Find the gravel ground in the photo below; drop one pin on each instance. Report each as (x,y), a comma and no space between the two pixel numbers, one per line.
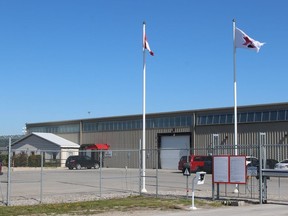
(80,197)
(67,198)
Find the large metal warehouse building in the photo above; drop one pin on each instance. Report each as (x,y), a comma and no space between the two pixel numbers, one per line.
(200,131)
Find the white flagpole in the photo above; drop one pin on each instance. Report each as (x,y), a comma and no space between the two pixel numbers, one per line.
(235,99)
(235,90)
(144,116)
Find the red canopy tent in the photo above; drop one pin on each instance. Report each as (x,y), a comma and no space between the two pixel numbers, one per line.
(98,146)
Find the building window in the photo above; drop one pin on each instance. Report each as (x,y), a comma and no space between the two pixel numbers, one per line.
(281,115)
(250,117)
(230,119)
(166,122)
(273,115)
(242,117)
(210,119)
(203,120)
(216,119)
(222,119)
(265,116)
(177,121)
(189,121)
(258,116)
(183,121)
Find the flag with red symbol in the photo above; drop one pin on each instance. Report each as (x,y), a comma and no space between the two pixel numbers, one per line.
(242,40)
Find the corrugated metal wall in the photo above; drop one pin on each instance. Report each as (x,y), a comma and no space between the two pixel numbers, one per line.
(122,141)
(73,137)
(248,139)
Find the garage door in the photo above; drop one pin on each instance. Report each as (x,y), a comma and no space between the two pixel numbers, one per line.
(172,149)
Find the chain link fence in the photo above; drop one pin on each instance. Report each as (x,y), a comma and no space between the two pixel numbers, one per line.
(42,177)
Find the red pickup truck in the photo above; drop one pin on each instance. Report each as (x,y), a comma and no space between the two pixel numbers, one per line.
(196,163)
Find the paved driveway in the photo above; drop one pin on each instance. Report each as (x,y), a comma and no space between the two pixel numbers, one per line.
(249,210)
(29,186)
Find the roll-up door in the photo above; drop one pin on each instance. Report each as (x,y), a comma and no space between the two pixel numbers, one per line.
(172,149)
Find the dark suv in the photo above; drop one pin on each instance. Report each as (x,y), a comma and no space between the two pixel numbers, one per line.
(78,162)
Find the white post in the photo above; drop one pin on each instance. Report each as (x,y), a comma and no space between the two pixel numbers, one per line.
(9,173)
(193,206)
(235,100)
(235,91)
(144,117)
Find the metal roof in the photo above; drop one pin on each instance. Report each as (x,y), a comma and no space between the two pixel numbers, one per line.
(139,116)
(63,143)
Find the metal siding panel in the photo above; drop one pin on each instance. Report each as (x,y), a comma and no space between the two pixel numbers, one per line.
(73,137)
(248,135)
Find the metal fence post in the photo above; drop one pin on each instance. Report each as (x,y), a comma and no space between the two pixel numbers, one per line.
(140,165)
(157,174)
(41,178)
(187,177)
(215,143)
(9,173)
(101,173)
(261,157)
(213,190)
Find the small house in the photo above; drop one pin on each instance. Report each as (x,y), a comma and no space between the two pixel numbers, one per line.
(55,148)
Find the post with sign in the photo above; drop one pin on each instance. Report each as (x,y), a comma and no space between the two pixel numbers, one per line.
(187,173)
(186,169)
(198,179)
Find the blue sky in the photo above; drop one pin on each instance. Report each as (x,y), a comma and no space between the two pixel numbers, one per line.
(72,59)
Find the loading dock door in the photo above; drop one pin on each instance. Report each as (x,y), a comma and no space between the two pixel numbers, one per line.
(172,149)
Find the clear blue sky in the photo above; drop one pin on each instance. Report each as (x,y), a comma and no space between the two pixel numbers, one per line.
(63,59)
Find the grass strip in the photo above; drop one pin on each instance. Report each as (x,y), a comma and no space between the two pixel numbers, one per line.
(131,203)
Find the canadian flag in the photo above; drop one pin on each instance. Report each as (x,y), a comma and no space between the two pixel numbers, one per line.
(242,40)
(146,45)
(145,42)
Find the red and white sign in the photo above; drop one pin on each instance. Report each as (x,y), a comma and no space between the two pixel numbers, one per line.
(221,169)
(229,169)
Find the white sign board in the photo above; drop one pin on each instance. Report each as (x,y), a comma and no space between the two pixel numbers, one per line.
(221,169)
(108,154)
(238,169)
(252,171)
(229,169)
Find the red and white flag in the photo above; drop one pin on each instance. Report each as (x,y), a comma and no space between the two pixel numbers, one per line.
(146,45)
(242,40)
(145,42)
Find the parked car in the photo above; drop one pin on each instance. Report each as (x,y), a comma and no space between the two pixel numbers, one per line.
(252,161)
(182,162)
(282,165)
(78,162)
(270,163)
(196,163)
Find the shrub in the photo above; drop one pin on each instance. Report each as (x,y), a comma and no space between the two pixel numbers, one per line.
(34,161)
(52,163)
(20,160)
(4,159)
